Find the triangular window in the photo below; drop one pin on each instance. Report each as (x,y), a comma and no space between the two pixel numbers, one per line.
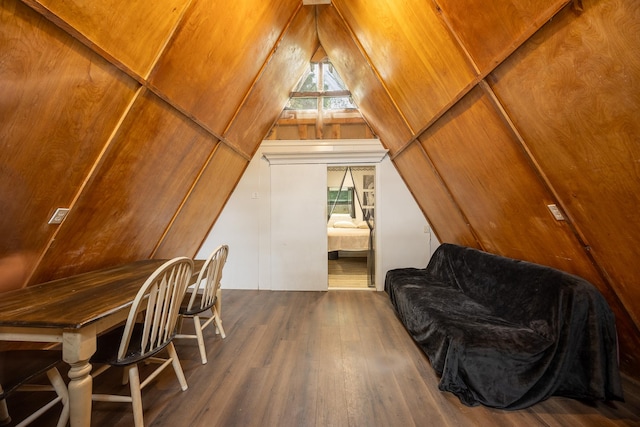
(320,107)
(321,87)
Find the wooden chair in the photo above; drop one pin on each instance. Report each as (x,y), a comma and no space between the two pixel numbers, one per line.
(202,296)
(18,368)
(157,304)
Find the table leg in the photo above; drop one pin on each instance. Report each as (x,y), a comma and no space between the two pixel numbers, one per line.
(77,348)
(80,388)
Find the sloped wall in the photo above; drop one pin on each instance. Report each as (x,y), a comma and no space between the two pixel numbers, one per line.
(491,112)
(140,117)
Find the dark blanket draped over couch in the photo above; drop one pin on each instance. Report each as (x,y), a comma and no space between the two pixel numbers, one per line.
(506,333)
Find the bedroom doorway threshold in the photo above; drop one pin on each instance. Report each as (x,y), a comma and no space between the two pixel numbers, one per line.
(348,273)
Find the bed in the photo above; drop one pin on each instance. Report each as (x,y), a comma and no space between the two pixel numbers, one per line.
(345,234)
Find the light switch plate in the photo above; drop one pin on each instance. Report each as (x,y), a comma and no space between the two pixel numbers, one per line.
(59,215)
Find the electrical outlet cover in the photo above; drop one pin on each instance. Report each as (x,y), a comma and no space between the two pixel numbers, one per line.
(555,211)
(59,215)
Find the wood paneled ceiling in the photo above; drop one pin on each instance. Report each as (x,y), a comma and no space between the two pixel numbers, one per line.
(142,116)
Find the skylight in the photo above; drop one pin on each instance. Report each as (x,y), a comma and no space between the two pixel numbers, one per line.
(321,88)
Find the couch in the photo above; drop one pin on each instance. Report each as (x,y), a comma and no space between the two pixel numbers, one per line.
(506,333)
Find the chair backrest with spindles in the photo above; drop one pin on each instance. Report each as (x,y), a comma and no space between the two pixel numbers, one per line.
(203,297)
(159,298)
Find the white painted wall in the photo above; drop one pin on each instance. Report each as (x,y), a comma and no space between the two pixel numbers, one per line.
(298,227)
(239,227)
(404,235)
(246,225)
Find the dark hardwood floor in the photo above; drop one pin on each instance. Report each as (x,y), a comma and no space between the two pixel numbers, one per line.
(336,358)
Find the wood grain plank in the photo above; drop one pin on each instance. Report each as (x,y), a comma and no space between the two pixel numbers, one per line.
(59,104)
(288,352)
(572,92)
(203,204)
(131,197)
(71,302)
(473,150)
(348,272)
(271,91)
(415,55)
(134,33)
(491,31)
(210,65)
(441,210)
(561,412)
(374,102)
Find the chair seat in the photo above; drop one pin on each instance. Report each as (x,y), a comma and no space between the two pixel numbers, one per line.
(107,347)
(195,308)
(21,366)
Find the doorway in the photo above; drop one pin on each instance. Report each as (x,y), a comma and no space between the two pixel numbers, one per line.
(351,227)
(276,246)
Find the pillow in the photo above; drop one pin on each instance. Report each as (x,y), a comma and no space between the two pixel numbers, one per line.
(338,217)
(344,224)
(363,224)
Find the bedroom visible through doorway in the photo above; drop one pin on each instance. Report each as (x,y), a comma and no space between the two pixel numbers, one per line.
(351,227)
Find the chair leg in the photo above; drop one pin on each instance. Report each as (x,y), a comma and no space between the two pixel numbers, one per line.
(61,389)
(177,367)
(5,418)
(218,304)
(179,324)
(136,396)
(218,322)
(125,375)
(198,327)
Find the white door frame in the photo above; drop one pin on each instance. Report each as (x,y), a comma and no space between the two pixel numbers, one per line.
(318,152)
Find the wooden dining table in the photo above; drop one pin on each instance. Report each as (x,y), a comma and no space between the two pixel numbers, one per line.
(73,311)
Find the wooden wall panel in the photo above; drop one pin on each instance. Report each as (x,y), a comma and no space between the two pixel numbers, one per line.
(367,91)
(490,177)
(135,192)
(134,33)
(271,92)
(441,210)
(217,52)
(490,31)
(573,92)
(58,105)
(204,204)
(417,58)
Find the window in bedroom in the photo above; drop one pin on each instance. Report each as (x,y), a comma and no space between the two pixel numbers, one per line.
(341,201)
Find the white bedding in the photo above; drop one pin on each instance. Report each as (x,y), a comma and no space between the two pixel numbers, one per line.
(348,239)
